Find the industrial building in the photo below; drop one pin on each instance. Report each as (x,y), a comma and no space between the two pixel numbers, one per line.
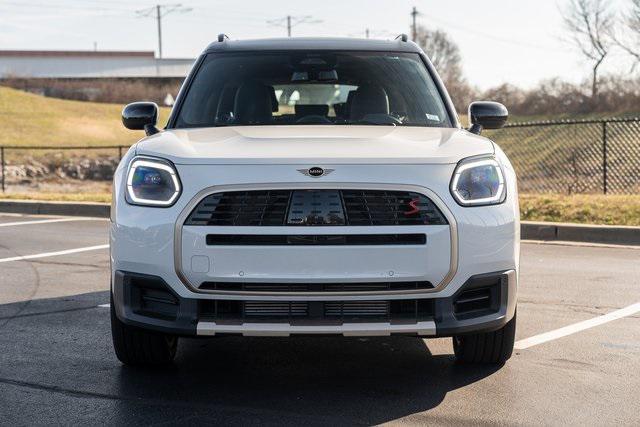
(103,76)
(26,64)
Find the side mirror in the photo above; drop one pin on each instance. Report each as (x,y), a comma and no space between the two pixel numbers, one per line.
(141,115)
(487,115)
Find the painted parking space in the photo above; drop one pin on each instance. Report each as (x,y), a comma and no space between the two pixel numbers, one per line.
(33,236)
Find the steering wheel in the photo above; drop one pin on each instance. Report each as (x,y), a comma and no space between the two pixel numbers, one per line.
(314,118)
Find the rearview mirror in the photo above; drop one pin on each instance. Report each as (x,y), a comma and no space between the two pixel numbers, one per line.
(487,115)
(141,115)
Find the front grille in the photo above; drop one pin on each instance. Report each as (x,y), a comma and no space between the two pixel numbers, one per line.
(242,208)
(368,207)
(315,287)
(316,208)
(316,312)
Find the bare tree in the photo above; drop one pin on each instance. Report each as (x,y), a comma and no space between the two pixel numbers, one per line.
(629,40)
(445,56)
(443,52)
(590,23)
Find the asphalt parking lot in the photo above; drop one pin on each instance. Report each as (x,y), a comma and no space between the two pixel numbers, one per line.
(57,365)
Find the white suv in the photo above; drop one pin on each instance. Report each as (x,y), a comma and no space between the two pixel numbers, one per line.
(314,186)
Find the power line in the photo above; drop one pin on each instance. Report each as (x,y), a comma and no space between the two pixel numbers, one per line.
(160,11)
(514,42)
(292,21)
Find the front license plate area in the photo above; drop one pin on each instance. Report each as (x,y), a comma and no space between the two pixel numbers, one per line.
(316,207)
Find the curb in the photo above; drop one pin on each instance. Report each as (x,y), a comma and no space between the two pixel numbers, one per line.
(529,230)
(37,207)
(566,232)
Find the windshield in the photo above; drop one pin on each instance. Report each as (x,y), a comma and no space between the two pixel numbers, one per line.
(298,88)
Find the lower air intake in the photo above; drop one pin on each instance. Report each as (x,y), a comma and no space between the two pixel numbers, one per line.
(275,309)
(356,309)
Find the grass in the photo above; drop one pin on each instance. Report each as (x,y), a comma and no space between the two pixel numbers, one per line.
(30,119)
(581,209)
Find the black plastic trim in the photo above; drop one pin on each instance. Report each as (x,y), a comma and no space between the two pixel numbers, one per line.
(186,85)
(128,311)
(316,287)
(315,239)
(442,310)
(448,324)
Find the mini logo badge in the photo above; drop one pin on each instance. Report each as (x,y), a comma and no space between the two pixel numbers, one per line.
(315,172)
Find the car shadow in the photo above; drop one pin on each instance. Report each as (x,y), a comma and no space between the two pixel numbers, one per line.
(334,379)
(231,380)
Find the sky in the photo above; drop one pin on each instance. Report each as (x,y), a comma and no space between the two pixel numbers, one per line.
(501,41)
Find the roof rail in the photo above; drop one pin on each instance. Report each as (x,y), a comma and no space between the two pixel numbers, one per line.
(402,37)
(221,37)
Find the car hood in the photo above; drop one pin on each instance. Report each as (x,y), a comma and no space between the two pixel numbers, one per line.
(314,144)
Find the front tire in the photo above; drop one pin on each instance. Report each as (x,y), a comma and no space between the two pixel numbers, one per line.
(486,348)
(137,347)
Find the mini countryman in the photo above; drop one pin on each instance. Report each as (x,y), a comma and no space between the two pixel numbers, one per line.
(314,187)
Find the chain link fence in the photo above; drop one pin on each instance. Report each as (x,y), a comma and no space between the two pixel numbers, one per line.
(574,156)
(562,157)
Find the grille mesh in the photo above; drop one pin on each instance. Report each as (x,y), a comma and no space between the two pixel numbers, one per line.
(275,309)
(242,208)
(271,207)
(366,207)
(356,308)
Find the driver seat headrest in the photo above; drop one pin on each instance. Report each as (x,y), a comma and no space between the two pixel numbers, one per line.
(253,103)
(369,99)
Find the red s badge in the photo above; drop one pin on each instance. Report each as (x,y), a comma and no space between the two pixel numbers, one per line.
(414,208)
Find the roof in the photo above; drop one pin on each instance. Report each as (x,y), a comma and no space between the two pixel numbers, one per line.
(314,43)
(77,53)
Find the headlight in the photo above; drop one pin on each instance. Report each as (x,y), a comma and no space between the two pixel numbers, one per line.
(477,182)
(152,183)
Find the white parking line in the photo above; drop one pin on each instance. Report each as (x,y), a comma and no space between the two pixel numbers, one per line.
(46,221)
(57,253)
(577,327)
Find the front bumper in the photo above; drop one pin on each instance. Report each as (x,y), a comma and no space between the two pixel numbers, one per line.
(485,302)
(479,243)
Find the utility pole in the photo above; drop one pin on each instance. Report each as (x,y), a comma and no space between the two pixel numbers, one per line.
(414,28)
(159,21)
(158,12)
(289,22)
